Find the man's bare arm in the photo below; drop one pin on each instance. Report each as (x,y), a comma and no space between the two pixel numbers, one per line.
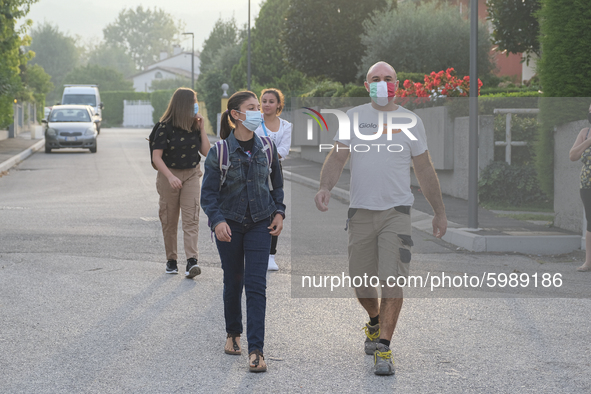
(330,174)
(425,173)
(333,166)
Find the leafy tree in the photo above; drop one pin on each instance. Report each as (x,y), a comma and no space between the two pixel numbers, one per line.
(143,33)
(37,84)
(112,56)
(515,25)
(323,38)
(12,58)
(224,33)
(55,52)
(565,65)
(218,73)
(565,71)
(268,65)
(106,78)
(423,38)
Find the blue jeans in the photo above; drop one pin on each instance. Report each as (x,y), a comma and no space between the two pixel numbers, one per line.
(244,261)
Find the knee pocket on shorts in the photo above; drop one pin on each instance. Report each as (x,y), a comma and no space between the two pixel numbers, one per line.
(405,255)
(406,239)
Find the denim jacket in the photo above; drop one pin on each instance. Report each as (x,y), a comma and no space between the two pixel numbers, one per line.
(242,187)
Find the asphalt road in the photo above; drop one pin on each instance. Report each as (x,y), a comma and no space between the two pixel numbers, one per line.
(85,306)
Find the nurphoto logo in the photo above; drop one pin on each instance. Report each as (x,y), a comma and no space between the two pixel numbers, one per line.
(386,124)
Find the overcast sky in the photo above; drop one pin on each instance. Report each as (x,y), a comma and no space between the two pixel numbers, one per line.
(87,18)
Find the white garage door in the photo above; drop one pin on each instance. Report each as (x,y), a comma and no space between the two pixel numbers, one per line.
(137,113)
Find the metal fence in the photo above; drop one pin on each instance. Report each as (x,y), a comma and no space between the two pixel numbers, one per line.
(508,143)
(24,119)
(137,113)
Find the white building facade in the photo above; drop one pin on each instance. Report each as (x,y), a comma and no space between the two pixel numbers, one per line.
(168,67)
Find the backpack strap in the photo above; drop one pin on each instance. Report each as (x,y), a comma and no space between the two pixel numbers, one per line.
(221,147)
(268,149)
(264,128)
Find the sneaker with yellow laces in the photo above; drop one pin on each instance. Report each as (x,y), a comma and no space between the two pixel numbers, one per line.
(373,335)
(383,362)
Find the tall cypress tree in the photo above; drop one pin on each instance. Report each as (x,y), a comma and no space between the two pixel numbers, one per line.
(565,75)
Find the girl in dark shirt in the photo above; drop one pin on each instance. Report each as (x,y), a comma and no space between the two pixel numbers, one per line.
(178,140)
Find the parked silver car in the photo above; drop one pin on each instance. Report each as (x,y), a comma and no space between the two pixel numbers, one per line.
(70,126)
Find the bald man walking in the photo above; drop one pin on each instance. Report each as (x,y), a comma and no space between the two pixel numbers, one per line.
(379,223)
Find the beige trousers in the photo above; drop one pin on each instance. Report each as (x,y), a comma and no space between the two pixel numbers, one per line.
(185,201)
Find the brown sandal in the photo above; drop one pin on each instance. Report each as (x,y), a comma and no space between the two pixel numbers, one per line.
(233,344)
(256,361)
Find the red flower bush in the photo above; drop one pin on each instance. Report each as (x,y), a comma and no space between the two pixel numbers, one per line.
(436,85)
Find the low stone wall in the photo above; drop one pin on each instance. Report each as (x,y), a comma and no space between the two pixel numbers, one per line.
(455,182)
(568,207)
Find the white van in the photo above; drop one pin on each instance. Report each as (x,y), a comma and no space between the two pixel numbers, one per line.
(85,95)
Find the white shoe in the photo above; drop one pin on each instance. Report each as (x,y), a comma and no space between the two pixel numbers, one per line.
(272,264)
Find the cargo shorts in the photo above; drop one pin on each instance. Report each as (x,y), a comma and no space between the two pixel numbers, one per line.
(380,242)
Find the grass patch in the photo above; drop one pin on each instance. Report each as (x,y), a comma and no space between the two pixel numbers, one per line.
(538,207)
(528,216)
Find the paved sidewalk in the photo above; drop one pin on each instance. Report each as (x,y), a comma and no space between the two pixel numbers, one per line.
(10,148)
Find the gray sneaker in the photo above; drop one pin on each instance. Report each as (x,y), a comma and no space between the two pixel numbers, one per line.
(383,362)
(373,335)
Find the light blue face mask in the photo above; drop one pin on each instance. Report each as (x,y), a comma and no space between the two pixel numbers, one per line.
(195,109)
(253,120)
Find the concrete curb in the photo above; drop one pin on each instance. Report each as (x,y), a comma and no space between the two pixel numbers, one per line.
(8,164)
(458,235)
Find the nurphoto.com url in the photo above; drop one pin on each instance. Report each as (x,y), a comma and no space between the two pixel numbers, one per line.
(437,281)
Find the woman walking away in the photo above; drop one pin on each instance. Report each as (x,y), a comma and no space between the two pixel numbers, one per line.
(176,142)
(279,130)
(242,194)
(582,150)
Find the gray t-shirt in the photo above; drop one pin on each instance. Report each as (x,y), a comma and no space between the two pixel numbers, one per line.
(380,168)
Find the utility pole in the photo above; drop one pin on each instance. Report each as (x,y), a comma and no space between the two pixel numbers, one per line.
(192,59)
(248,62)
(473,122)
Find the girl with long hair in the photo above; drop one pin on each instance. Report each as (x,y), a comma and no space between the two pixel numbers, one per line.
(179,137)
(279,130)
(243,197)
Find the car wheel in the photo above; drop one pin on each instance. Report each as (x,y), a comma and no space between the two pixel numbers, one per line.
(93,149)
(47,149)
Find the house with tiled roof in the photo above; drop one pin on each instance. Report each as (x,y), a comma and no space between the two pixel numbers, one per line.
(168,67)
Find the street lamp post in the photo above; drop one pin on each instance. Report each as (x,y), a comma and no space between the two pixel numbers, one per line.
(473,122)
(192,59)
(248,61)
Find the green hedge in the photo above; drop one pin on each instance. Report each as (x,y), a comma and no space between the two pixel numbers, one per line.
(415,77)
(487,91)
(510,184)
(113,101)
(486,104)
(160,100)
(565,71)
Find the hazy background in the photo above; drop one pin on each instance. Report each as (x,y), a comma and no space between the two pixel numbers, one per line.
(87,19)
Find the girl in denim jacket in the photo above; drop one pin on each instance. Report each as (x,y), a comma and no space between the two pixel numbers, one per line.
(244,212)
